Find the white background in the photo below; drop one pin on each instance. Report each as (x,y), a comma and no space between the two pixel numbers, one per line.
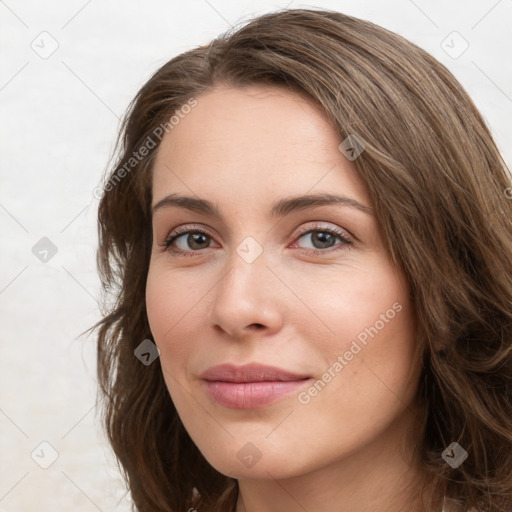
(59,119)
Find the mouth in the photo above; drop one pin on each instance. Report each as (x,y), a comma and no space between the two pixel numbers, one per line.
(250,386)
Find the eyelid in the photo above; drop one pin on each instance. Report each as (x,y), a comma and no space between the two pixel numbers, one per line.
(322,226)
(182,230)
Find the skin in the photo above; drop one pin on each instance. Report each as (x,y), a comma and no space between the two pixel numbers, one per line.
(349,448)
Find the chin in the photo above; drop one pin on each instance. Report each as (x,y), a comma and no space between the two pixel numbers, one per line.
(258,459)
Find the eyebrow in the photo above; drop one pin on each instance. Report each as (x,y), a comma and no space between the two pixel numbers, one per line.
(279,208)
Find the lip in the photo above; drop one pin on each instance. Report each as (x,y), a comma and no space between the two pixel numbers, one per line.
(251,385)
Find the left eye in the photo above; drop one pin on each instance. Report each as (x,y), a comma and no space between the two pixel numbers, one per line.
(322,239)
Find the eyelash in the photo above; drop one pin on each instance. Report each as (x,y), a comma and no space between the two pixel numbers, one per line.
(182,230)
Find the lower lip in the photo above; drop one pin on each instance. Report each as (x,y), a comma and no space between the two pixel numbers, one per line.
(249,395)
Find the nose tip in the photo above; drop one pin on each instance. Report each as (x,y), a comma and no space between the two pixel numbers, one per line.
(242,302)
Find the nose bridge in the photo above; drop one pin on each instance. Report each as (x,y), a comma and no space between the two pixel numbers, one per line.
(245,295)
(247,273)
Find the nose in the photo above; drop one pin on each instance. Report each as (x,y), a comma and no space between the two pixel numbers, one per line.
(246,300)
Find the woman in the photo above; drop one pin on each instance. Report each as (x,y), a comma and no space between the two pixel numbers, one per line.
(309,240)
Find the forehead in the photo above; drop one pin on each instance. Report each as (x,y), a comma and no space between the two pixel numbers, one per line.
(259,141)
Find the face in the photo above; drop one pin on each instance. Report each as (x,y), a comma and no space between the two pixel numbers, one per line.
(275,259)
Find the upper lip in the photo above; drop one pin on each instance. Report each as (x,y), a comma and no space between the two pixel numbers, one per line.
(252,372)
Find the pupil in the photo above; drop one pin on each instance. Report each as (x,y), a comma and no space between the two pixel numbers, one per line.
(194,238)
(323,239)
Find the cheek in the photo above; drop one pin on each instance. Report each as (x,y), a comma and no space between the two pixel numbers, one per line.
(373,330)
(168,320)
(159,305)
(360,395)
(169,311)
(356,302)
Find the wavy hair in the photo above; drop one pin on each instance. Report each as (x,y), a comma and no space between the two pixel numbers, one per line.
(441,194)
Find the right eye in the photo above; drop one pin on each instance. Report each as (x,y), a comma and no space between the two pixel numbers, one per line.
(185,241)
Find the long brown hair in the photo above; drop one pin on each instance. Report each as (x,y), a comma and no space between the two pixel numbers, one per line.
(439,188)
